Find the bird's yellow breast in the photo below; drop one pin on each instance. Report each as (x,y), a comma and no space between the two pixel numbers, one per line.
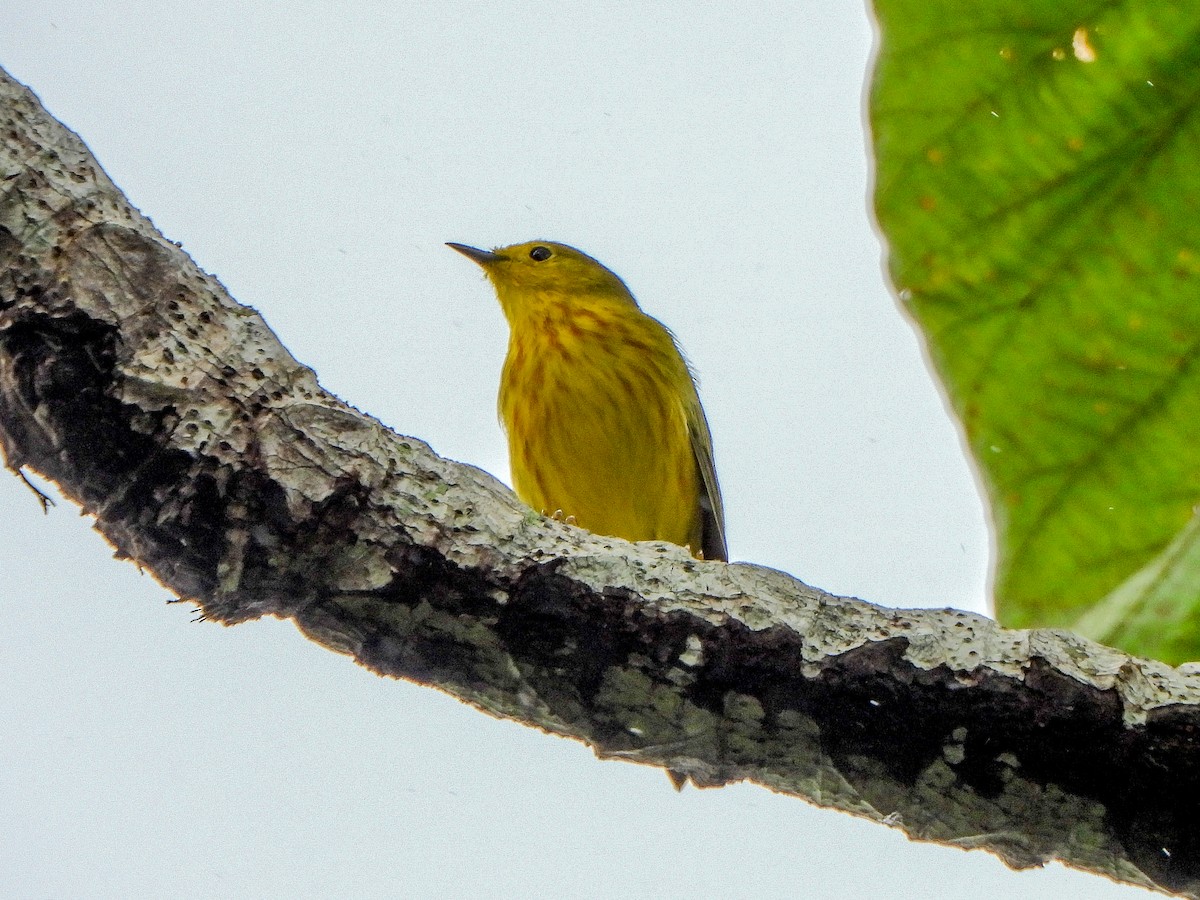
(591,400)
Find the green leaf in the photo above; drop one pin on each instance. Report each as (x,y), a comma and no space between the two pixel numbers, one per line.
(1038,181)
(1156,609)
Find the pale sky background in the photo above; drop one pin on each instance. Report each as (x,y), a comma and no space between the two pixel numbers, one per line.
(315,157)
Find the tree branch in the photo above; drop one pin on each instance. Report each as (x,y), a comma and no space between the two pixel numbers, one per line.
(215,460)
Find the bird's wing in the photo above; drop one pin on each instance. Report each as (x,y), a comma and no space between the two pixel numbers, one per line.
(712,511)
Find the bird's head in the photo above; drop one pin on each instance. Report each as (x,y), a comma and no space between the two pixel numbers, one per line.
(540,272)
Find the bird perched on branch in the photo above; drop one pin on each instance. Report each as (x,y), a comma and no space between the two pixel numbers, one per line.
(604,423)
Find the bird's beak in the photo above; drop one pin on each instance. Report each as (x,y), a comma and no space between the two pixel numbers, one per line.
(485,258)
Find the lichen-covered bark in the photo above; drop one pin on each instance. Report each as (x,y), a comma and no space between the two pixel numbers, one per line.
(211,457)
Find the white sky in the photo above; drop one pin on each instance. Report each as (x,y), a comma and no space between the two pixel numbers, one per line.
(315,156)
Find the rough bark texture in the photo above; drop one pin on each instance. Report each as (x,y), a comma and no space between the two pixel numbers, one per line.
(211,457)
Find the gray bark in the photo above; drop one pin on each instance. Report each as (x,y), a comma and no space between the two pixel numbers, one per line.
(211,457)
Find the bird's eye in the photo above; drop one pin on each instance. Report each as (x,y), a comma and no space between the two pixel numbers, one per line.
(538,254)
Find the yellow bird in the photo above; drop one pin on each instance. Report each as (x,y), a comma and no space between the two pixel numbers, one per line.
(604,423)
